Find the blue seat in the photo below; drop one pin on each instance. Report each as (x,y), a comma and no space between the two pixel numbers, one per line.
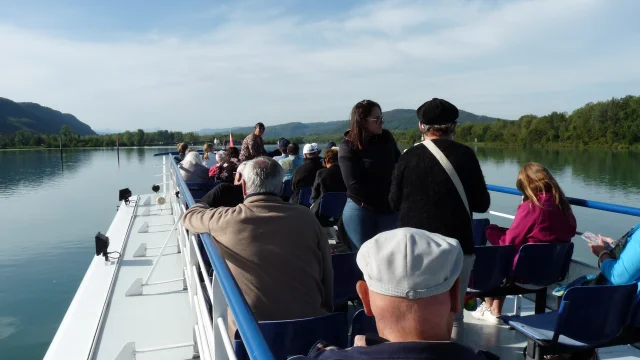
(345,276)
(332,204)
(362,324)
(199,189)
(543,264)
(589,317)
(492,267)
(287,191)
(288,338)
(304,196)
(479,235)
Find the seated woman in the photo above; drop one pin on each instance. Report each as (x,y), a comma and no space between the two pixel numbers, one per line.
(182,151)
(544,216)
(621,265)
(227,168)
(192,170)
(328,179)
(207,159)
(226,194)
(221,157)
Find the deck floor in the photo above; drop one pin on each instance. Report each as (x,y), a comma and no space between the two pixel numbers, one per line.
(508,344)
(159,317)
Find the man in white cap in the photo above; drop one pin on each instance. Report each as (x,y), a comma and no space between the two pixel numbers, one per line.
(305,175)
(411,287)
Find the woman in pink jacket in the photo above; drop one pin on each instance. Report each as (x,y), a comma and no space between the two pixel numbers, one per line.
(544,216)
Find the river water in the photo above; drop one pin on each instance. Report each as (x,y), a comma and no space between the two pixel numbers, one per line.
(50,211)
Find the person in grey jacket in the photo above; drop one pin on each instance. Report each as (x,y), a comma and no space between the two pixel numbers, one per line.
(192,170)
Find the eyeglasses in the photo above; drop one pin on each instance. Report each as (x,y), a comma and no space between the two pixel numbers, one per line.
(377,119)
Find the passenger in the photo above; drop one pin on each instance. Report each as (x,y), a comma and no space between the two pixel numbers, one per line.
(328,179)
(367,156)
(252,145)
(625,267)
(330,145)
(429,199)
(207,159)
(411,287)
(182,151)
(305,175)
(227,168)
(292,161)
(543,216)
(221,157)
(283,144)
(192,170)
(277,252)
(226,194)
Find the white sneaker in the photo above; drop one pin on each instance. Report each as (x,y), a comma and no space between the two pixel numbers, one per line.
(479,313)
(484,313)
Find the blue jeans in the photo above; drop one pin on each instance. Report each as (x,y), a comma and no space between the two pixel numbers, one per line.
(362,224)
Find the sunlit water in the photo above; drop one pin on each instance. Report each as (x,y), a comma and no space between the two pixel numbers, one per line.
(50,211)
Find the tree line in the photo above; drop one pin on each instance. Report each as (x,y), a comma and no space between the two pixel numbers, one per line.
(613,123)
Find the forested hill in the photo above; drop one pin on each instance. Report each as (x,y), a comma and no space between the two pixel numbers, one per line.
(37,119)
(398,119)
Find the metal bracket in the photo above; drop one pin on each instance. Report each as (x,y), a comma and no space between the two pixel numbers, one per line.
(141,251)
(129,351)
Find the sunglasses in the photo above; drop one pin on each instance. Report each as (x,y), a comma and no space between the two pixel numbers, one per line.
(377,119)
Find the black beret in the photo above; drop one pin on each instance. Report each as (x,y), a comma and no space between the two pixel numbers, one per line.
(437,112)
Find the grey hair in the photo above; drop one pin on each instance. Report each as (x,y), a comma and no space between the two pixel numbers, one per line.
(221,156)
(439,130)
(263,174)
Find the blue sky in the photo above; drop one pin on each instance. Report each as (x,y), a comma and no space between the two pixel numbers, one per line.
(187,65)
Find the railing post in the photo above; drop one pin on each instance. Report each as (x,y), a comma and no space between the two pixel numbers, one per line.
(219,311)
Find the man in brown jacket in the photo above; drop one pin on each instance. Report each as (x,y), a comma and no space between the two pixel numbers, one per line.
(277,252)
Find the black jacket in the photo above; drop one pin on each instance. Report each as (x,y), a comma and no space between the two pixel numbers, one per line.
(224,194)
(367,172)
(328,180)
(426,197)
(304,176)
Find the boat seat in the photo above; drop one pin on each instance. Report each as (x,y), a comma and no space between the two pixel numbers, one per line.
(287,191)
(331,205)
(362,324)
(304,196)
(537,267)
(289,338)
(589,317)
(479,234)
(199,189)
(345,276)
(492,267)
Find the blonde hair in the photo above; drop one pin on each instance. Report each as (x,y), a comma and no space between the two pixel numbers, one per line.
(205,151)
(534,179)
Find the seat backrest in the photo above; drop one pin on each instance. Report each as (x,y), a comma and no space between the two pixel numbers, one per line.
(595,315)
(304,196)
(288,338)
(362,324)
(543,264)
(287,191)
(346,274)
(199,189)
(479,235)
(332,204)
(635,314)
(492,266)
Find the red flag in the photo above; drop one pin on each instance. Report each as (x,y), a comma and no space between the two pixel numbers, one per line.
(230,139)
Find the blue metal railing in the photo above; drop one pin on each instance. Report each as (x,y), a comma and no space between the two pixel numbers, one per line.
(252,338)
(597,205)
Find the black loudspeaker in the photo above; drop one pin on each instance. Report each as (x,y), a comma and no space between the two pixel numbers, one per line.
(102,245)
(125,194)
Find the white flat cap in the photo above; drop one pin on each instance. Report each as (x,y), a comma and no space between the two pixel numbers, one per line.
(410,263)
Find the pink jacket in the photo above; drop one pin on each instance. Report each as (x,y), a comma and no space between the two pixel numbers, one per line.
(535,224)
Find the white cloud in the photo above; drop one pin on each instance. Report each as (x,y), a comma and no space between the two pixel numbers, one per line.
(495,58)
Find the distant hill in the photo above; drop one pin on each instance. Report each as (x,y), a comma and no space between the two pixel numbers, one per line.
(37,118)
(398,119)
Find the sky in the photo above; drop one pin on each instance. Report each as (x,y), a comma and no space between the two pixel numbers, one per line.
(188,65)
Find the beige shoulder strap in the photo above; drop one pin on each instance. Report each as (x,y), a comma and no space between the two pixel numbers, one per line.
(450,170)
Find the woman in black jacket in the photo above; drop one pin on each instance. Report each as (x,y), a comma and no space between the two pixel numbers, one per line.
(426,196)
(367,157)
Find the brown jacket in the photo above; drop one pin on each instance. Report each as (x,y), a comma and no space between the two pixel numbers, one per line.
(277,252)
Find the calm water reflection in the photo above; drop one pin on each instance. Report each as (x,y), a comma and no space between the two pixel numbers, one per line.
(49,214)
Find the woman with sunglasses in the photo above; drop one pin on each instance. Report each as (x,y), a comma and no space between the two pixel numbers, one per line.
(367,156)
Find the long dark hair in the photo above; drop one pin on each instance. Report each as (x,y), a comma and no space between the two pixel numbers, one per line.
(359,114)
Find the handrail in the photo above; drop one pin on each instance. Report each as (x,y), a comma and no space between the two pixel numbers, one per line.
(252,338)
(597,205)
(200,151)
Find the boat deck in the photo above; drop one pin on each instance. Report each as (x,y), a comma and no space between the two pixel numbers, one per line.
(161,315)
